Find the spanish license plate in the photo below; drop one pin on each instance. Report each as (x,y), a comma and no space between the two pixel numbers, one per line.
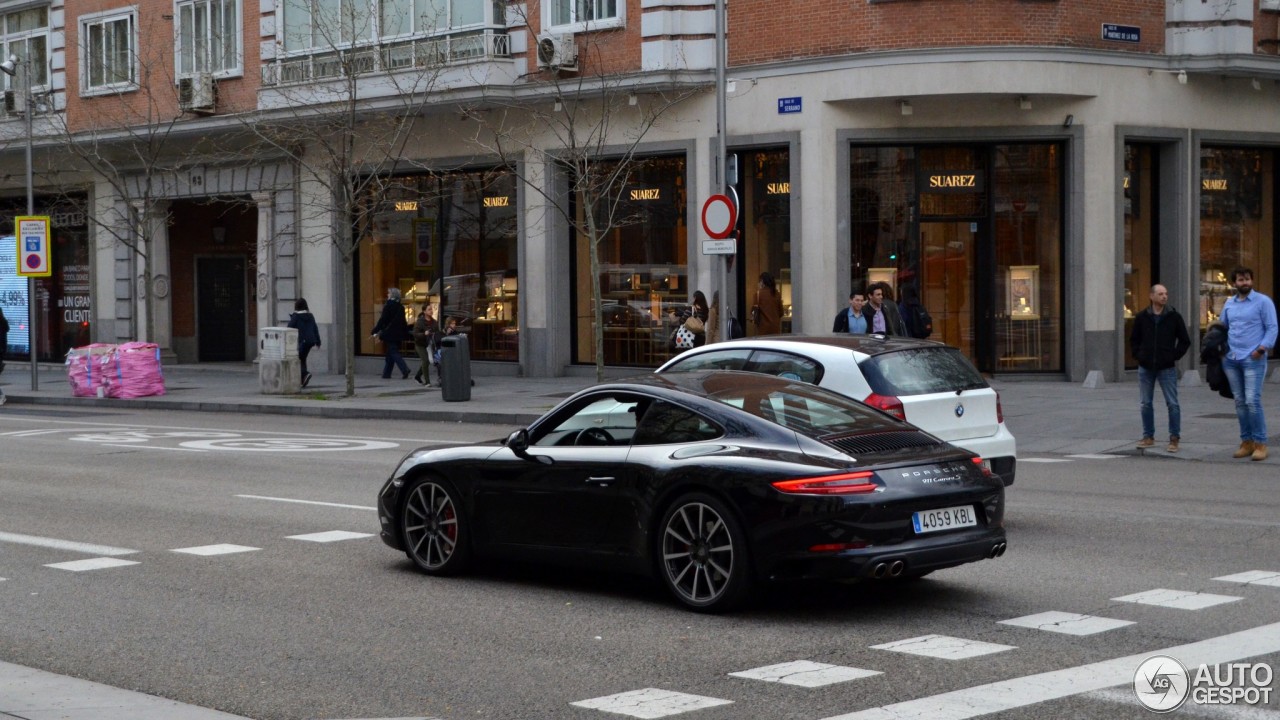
(929,521)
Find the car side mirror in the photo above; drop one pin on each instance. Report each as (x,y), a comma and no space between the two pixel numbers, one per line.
(518,442)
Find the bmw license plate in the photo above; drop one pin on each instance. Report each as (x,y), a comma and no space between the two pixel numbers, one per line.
(944,519)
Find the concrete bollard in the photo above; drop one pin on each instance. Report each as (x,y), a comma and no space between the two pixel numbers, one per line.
(1094,380)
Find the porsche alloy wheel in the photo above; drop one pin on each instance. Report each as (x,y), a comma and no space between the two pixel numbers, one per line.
(704,554)
(434,530)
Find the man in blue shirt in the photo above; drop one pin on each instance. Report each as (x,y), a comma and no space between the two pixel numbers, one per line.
(852,320)
(1250,319)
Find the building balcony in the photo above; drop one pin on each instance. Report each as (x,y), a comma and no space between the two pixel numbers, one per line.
(424,55)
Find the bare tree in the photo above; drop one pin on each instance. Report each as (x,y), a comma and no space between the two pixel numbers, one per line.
(343,114)
(589,123)
(126,135)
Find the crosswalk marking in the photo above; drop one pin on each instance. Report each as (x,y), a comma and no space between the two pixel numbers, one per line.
(805,673)
(943,646)
(1179,599)
(1067,623)
(1033,689)
(650,703)
(1253,577)
(221,549)
(330,536)
(91,564)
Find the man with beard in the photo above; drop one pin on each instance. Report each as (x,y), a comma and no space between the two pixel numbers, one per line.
(1250,319)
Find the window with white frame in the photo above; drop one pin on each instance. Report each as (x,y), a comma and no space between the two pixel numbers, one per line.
(108,51)
(25,33)
(583,13)
(319,25)
(208,37)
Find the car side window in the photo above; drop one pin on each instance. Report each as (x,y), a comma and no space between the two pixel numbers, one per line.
(785,365)
(597,421)
(665,423)
(718,360)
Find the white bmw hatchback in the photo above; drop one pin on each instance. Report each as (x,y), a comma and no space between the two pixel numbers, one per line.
(928,384)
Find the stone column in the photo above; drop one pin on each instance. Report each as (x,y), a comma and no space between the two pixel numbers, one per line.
(153,218)
(264,292)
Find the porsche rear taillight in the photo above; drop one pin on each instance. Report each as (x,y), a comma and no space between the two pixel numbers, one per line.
(984,465)
(887,403)
(844,484)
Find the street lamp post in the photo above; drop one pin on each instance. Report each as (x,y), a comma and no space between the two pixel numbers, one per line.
(10,68)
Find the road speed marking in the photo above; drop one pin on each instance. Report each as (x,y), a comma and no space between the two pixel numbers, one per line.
(287,444)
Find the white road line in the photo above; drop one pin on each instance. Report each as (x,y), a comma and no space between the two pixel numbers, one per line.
(944,647)
(306,502)
(91,564)
(56,544)
(805,673)
(1093,456)
(1033,689)
(1179,599)
(1253,577)
(1213,712)
(149,447)
(1043,460)
(329,536)
(650,703)
(221,549)
(1067,623)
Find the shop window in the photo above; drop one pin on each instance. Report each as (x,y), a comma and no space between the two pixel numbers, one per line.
(1141,266)
(643,269)
(448,242)
(766,245)
(1027,194)
(1237,223)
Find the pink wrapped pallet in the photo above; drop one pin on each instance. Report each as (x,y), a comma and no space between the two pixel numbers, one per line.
(91,369)
(138,371)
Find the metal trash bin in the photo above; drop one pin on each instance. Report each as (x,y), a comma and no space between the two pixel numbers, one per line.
(455,368)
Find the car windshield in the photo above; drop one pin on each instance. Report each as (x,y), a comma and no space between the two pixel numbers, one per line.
(806,409)
(921,371)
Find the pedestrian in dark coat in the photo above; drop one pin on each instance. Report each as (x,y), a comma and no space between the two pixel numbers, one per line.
(1159,340)
(1213,346)
(392,329)
(425,330)
(308,334)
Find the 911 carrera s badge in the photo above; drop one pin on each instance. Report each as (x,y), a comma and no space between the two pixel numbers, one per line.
(959,409)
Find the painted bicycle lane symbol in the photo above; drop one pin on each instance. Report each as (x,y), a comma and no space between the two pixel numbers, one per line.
(202,441)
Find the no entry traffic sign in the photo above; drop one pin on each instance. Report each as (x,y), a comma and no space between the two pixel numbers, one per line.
(719,216)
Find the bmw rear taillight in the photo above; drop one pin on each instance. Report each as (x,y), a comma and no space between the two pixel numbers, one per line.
(999,410)
(844,484)
(887,403)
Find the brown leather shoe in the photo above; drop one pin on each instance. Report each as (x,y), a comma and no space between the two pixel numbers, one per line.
(1146,442)
(1259,452)
(1173,444)
(1245,450)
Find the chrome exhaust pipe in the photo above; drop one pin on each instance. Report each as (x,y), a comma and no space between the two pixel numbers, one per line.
(879,570)
(1003,547)
(995,551)
(896,568)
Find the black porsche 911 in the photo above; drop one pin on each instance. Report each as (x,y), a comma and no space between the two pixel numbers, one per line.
(711,481)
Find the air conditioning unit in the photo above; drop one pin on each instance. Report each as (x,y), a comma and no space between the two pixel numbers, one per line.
(197,93)
(15,102)
(1269,5)
(557,51)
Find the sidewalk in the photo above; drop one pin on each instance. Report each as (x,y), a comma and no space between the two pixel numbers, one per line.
(1048,418)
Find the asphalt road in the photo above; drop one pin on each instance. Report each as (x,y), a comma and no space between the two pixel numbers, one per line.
(340,626)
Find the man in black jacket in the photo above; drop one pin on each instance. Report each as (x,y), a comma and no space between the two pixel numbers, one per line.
(392,329)
(1159,340)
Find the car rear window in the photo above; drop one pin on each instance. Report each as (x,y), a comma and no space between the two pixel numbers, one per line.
(920,371)
(806,409)
(735,359)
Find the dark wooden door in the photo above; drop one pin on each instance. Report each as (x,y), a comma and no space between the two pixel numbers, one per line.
(220,303)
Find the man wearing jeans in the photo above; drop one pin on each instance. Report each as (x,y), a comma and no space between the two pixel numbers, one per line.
(1250,319)
(1159,340)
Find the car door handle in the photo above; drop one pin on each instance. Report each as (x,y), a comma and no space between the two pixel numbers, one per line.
(600,480)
